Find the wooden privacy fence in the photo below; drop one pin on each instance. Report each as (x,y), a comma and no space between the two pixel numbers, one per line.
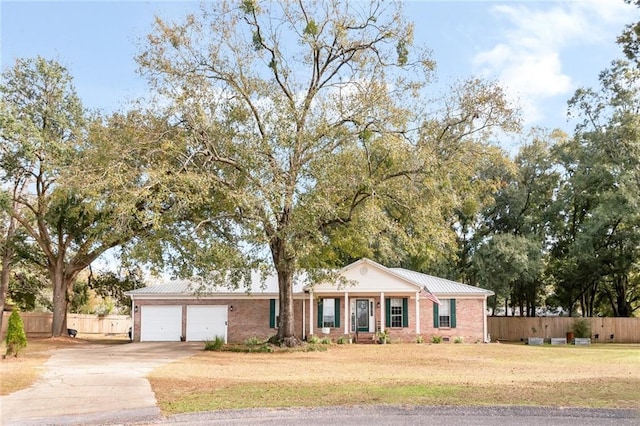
(39,324)
(603,330)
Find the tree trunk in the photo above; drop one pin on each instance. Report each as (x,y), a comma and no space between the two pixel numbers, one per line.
(7,257)
(285,266)
(58,327)
(286,332)
(623,307)
(4,282)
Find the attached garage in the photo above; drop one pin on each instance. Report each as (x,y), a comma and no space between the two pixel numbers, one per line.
(161,323)
(206,322)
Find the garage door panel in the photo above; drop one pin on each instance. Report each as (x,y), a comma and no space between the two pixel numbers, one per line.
(206,322)
(161,323)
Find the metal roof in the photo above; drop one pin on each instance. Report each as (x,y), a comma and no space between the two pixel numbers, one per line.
(268,285)
(440,285)
(258,285)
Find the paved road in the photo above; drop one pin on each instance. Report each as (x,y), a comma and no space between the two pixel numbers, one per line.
(97,381)
(396,415)
(106,385)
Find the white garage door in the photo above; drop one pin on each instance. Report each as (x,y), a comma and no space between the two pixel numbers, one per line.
(161,323)
(206,322)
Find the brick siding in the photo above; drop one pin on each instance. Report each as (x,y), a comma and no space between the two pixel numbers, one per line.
(250,318)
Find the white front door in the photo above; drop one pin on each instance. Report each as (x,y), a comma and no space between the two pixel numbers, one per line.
(160,323)
(206,322)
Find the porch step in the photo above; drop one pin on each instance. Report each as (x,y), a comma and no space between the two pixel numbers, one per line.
(365,338)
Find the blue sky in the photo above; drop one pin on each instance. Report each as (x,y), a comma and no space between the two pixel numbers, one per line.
(540,51)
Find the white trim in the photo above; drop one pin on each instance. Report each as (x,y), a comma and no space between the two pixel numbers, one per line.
(417,312)
(347,313)
(485,327)
(311,312)
(182,296)
(382,311)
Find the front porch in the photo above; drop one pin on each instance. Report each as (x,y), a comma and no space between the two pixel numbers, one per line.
(362,317)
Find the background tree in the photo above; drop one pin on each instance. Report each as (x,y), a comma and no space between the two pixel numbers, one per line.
(69,207)
(597,244)
(630,38)
(295,120)
(511,266)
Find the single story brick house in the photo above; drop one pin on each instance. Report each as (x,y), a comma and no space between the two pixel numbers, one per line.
(401,302)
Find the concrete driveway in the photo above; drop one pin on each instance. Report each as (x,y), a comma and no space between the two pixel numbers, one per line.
(94,384)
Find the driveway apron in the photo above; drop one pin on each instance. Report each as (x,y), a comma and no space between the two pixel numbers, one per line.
(93,380)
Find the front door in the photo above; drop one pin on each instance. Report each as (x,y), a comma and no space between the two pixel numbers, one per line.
(362,314)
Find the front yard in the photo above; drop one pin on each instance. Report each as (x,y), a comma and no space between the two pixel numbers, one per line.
(408,374)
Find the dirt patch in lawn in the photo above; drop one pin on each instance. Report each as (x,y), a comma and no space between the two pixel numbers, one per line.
(494,374)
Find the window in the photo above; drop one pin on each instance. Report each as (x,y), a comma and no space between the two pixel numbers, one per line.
(444,315)
(397,312)
(274,313)
(329,313)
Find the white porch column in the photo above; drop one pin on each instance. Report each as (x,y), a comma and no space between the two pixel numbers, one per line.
(417,312)
(304,316)
(484,317)
(311,312)
(347,314)
(382,313)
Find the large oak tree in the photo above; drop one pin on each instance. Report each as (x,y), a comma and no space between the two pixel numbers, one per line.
(295,121)
(77,178)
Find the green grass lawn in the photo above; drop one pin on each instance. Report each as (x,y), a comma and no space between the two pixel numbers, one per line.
(407,374)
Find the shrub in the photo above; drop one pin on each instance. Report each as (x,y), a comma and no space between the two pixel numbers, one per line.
(252,341)
(458,339)
(16,339)
(341,340)
(214,345)
(581,328)
(314,348)
(436,339)
(326,341)
(314,340)
(419,338)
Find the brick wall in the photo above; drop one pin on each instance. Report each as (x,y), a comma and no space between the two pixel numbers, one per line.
(250,318)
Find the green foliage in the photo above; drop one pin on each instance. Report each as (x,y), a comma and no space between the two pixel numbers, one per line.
(419,338)
(314,340)
(27,288)
(436,339)
(249,6)
(383,336)
(326,340)
(403,52)
(16,338)
(458,339)
(291,172)
(253,341)
(581,328)
(315,348)
(214,345)
(311,28)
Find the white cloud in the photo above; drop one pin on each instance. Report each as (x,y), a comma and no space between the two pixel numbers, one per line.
(529,58)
